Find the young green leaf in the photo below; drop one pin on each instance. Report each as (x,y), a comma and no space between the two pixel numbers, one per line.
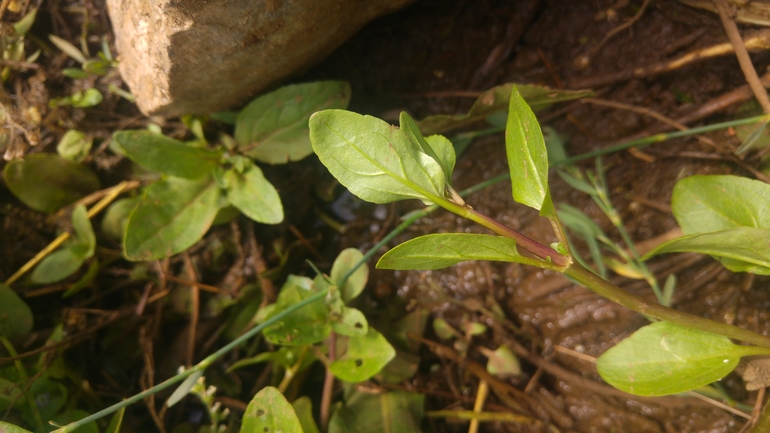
(74,146)
(166,155)
(343,264)
(437,147)
(303,407)
(664,358)
(366,355)
(255,196)
(390,412)
(68,48)
(502,362)
(172,215)
(47,182)
(184,388)
(273,128)
(709,203)
(746,249)
(309,325)
(84,232)
(15,316)
(352,323)
(374,160)
(527,155)
(438,251)
(59,264)
(269,412)
(79,99)
(23,25)
(495,100)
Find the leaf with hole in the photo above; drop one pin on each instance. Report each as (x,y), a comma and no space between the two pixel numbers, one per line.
(172,215)
(388,412)
(308,325)
(527,155)
(664,358)
(166,155)
(365,356)
(495,100)
(442,250)
(274,128)
(47,182)
(74,146)
(269,412)
(740,249)
(437,147)
(356,282)
(255,196)
(375,161)
(351,322)
(15,316)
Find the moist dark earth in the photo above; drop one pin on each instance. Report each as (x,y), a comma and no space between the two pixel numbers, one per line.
(434,57)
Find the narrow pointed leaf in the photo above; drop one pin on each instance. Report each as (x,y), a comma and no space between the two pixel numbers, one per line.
(172,215)
(84,232)
(15,316)
(184,388)
(374,160)
(269,412)
(116,422)
(664,358)
(166,155)
(356,282)
(746,248)
(437,147)
(366,356)
(68,48)
(442,250)
(527,155)
(255,196)
(274,128)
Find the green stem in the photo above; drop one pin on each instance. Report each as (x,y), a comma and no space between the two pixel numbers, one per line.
(194,369)
(615,294)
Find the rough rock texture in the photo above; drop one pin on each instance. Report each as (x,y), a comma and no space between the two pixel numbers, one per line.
(198,56)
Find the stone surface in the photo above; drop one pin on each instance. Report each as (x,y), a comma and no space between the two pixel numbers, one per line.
(198,56)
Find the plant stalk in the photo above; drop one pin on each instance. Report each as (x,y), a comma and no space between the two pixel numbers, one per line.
(615,294)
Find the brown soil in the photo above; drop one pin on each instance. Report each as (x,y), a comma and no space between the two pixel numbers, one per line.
(399,63)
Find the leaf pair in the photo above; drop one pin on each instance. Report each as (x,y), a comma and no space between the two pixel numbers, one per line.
(723,216)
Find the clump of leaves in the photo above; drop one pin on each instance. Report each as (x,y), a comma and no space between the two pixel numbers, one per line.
(381,163)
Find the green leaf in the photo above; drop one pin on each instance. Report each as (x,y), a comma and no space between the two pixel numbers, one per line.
(10,428)
(366,356)
(23,25)
(437,147)
(710,203)
(49,395)
(184,388)
(74,146)
(502,362)
(79,99)
(47,182)
(11,394)
(84,232)
(495,100)
(116,422)
(308,325)
(303,407)
(664,358)
(172,215)
(747,249)
(274,128)
(352,323)
(15,316)
(269,412)
(68,48)
(343,264)
(116,217)
(387,412)
(527,155)
(255,196)
(375,161)
(60,264)
(166,155)
(438,251)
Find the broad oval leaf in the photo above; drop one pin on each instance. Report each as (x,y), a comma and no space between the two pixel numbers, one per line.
(59,264)
(269,412)
(527,154)
(664,358)
(438,251)
(387,412)
(496,100)
(166,155)
(274,128)
(740,249)
(351,322)
(366,356)
(437,147)
(172,215)
(374,160)
(15,316)
(308,325)
(47,182)
(255,196)
(356,282)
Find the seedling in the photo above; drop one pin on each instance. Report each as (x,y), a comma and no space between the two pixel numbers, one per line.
(381,163)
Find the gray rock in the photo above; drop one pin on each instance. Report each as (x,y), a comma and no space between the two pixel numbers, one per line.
(198,56)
